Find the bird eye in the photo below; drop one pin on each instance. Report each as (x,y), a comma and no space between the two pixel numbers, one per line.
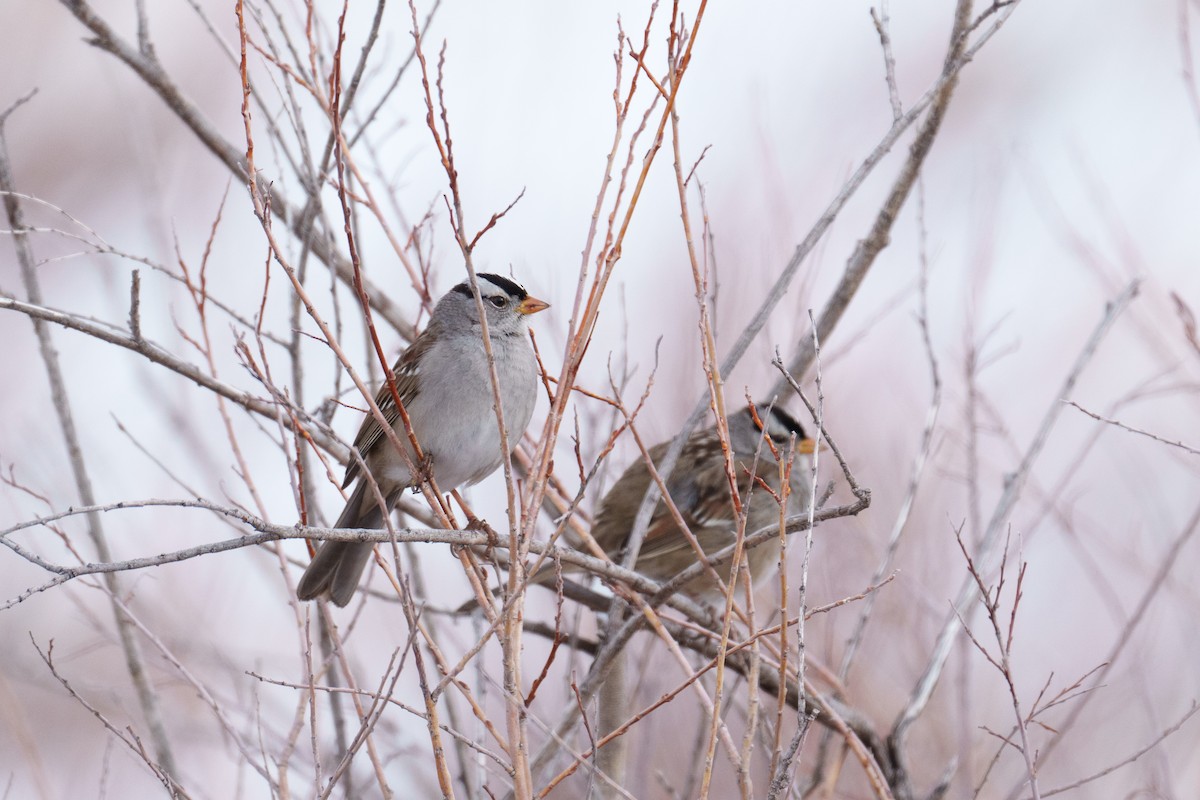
(499,301)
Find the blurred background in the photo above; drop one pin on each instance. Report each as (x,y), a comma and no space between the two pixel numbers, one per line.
(1068,166)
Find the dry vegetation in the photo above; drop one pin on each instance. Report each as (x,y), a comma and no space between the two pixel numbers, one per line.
(990,596)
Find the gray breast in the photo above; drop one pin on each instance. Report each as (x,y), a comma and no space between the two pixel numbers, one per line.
(456,391)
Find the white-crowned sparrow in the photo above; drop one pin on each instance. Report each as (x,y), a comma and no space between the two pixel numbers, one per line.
(445,386)
(699,488)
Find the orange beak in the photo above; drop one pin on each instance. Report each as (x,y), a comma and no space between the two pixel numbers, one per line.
(531,305)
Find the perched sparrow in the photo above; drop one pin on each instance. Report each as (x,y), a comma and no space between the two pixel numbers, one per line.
(444,384)
(700,489)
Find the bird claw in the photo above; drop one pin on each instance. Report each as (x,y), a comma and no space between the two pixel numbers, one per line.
(424,468)
(477,524)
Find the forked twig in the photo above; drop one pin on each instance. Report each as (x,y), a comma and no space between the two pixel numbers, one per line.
(988,548)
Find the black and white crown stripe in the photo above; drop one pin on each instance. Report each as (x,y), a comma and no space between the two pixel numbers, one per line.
(514,289)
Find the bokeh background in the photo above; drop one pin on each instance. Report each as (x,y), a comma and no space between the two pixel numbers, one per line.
(1069,165)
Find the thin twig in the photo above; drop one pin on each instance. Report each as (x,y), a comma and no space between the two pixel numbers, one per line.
(1132,429)
(1109,770)
(156,78)
(988,547)
(1125,637)
(134,661)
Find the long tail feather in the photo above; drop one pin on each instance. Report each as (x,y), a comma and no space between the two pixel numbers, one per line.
(338,566)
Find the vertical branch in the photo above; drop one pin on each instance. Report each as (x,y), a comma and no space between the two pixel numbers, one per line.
(516,715)
(1156,583)
(716,396)
(1185,50)
(745,782)
(615,706)
(782,776)
(134,661)
(991,603)
(445,782)
(781,697)
(198,291)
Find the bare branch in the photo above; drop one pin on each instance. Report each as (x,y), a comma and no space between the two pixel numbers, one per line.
(1109,770)
(1132,429)
(134,662)
(988,548)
